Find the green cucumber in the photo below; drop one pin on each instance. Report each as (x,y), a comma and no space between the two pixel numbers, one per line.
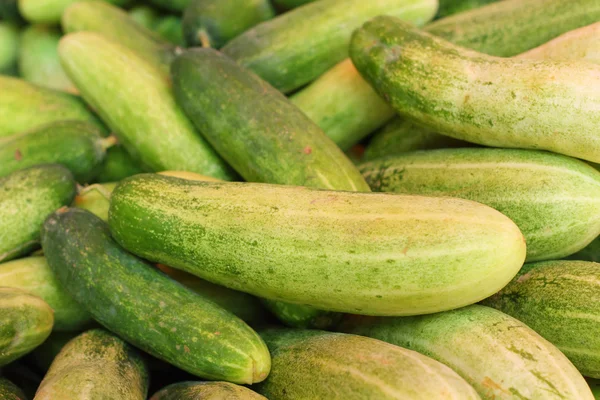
(137,103)
(147,308)
(10,391)
(500,356)
(591,252)
(27,197)
(323,365)
(288,52)
(50,11)
(289,4)
(170,28)
(173,5)
(25,322)
(117,165)
(95,199)
(380,254)
(144,15)
(206,391)
(212,23)
(9,11)
(560,301)
(44,354)
(450,7)
(9,47)
(530,187)
(95,365)
(77,145)
(595,386)
(33,275)
(477,98)
(302,316)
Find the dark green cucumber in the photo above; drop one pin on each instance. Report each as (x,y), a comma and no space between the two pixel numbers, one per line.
(591,252)
(9,47)
(450,7)
(10,391)
(77,145)
(50,11)
(206,391)
(212,23)
(147,308)
(289,4)
(560,301)
(117,165)
(173,5)
(27,197)
(289,52)
(170,28)
(95,365)
(9,11)
(301,316)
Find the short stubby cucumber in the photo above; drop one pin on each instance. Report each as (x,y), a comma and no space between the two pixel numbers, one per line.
(553,199)
(10,391)
(381,254)
(474,97)
(301,316)
(95,365)
(322,365)
(450,7)
(27,197)
(501,357)
(9,47)
(117,165)
(289,52)
(560,300)
(145,307)
(206,391)
(137,103)
(25,322)
(50,11)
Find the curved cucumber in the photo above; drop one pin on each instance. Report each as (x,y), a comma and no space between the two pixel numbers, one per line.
(206,391)
(27,197)
(50,11)
(501,357)
(95,365)
(317,247)
(25,322)
(288,52)
(301,316)
(145,307)
(9,47)
(10,391)
(450,7)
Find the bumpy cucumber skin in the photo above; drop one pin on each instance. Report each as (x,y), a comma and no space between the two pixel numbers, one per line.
(9,45)
(25,322)
(501,357)
(301,316)
(206,391)
(322,365)
(27,197)
(137,103)
(145,307)
(474,97)
(50,11)
(553,199)
(560,301)
(10,391)
(317,247)
(95,365)
(289,52)
(450,7)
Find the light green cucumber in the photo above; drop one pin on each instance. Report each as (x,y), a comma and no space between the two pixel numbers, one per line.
(33,275)
(302,316)
(117,165)
(137,103)
(50,11)
(9,47)
(144,15)
(10,391)
(206,391)
(450,7)
(380,254)
(27,197)
(560,300)
(25,322)
(500,356)
(95,365)
(289,52)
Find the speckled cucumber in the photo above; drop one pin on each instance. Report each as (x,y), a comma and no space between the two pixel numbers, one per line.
(474,97)
(25,322)
(147,308)
(323,365)
(50,11)
(560,300)
(450,7)
(530,187)
(95,365)
(317,247)
(10,391)
(501,357)
(288,52)
(206,391)
(9,45)
(27,197)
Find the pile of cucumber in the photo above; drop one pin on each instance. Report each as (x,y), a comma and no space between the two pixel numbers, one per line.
(188,206)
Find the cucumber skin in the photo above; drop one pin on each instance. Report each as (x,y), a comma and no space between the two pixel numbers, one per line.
(591,252)
(450,7)
(206,391)
(145,307)
(387,51)
(560,301)
(50,11)
(288,221)
(301,316)
(500,356)
(10,391)
(289,4)
(173,5)
(27,197)
(25,322)
(117,165)
(595,386)
(95,365)
(288,52)
(9,47)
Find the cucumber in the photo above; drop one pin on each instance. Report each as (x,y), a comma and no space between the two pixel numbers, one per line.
(500,356)
(50,11)
(317,247)
(323,365)
(170,28)
(206,391)
(289,4)
(212,23)
(27,197)
(474,97)
(95,365)
(591,252)
(301,316)
(145,307)
(96,199)
(9,11)
(77,145)
(595,386)
(44,354)
(450,7)
(33,275)
(288,52)
(560,301)
(173,5)
(529,187)
(117,165)
(137,103)
(9,45)
(10,391)
(144,15)
(25,322)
